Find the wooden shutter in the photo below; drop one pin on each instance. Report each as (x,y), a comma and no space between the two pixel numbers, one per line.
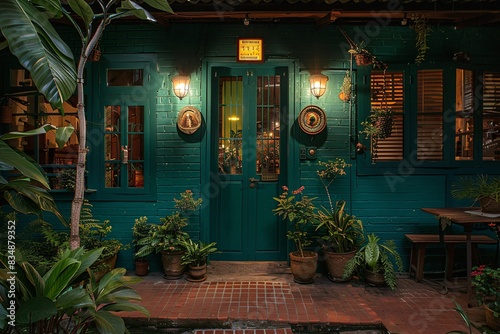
(491,116)
(430,114)
(387,92)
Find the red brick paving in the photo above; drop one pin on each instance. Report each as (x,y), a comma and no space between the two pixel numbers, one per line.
(413,308)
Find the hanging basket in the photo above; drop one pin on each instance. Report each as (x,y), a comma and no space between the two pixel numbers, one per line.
(384,125)
(363,59)
(95,55)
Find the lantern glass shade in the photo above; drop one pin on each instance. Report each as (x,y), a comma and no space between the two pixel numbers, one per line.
(180,85)
(318,84)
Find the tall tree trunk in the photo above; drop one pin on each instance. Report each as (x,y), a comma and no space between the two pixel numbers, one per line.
(76,204)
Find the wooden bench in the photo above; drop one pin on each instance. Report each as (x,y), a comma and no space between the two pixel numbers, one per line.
(419,241)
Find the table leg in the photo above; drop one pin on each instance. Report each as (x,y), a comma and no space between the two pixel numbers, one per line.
(468,232)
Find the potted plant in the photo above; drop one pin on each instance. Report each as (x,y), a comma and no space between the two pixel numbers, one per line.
(379,124)
(341,233)
(375,261)
(486,282)
(300,212)
(480,188)
(140,230)
(169,238)
(196,257)
(93,235)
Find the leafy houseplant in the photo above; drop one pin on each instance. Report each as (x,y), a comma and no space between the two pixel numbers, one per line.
(196,257)
(169,239)
(486,282)
(379,123)
(300,212)
(140,230)
(376,258)
(480,188)
(341,232)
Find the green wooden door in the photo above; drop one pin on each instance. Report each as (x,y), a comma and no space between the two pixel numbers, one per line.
(249,142)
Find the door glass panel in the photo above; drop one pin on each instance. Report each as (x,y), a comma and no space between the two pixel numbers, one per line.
(112,140)
(230,125)
(125,77)
(464,122)
(135,146)
(268,125)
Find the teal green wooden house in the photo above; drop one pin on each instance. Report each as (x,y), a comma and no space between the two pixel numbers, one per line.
(250,122)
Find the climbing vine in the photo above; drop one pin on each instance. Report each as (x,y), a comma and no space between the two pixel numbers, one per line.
(422,30)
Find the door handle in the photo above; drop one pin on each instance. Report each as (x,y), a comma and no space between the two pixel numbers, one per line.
(253,182)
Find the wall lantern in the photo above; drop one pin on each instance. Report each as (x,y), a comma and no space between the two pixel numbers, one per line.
(180,85)
(318,84)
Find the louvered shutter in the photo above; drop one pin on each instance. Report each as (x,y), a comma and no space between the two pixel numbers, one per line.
(430,114)
(491,116)
(387,92)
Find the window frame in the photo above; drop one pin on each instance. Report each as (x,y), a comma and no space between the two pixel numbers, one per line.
(127,96)
(409,165)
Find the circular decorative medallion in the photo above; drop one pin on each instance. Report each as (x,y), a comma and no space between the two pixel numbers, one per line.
(312,120)
(189,120)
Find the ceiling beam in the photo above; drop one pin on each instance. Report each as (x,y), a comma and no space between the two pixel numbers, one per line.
(327,19)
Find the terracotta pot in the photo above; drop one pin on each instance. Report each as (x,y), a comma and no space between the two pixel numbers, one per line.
(373,278)
(172,264)
(336,263)
(363,59)
(141,268)
(492,321)
(108,263)
(303,268)
(197,273)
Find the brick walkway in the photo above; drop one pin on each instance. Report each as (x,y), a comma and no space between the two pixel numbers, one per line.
(274,303)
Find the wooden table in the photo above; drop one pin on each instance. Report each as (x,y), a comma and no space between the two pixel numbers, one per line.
(459,216)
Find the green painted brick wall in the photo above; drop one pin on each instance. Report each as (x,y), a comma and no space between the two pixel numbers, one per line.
(390,212)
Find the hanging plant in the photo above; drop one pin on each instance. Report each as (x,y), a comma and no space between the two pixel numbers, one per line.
(422,30)
(379,123)
(346,88)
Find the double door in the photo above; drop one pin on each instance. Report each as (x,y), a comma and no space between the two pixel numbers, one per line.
(248,138)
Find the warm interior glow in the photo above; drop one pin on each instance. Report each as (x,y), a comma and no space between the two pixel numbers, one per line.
(180,85)
(318,84)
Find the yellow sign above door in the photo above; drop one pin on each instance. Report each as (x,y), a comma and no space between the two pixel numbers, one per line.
(250,50)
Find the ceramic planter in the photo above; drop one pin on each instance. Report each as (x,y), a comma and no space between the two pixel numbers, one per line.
(336,263)
(373,278)
(303,268)
(141,268)
(197,273)
(492,321)
(108,263)
(172,264)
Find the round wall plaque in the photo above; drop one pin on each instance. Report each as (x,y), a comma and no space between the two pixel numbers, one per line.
(189,120)
(312,120)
